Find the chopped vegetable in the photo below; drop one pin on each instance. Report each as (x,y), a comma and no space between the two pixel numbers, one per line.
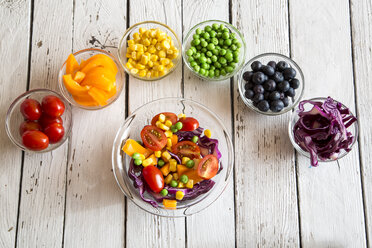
(190,184)
(184,179)
(173,183)
(132,146)
(165,169)
(180,195)
(208,133)
(161,163)
(164,192)
(170,204)
(190,164)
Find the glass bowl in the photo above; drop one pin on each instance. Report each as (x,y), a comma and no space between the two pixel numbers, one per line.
(122,48)
(186,44)
(14,118)
(132,128)
(84,55)
(294,118)
(264,59)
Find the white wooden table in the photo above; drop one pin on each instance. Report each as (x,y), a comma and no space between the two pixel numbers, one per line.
(69,198)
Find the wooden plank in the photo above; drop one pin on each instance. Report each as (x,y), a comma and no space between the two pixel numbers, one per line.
(204,229)
(330,196)
(266,202)
(14,45)
(361,20)
(44,175)
(94,202)
(143,229)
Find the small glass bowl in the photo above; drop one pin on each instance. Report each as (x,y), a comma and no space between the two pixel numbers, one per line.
(186,44)
(86,54)
(307,107)
(132,128)
(264,59)
(14,118)
(122,48)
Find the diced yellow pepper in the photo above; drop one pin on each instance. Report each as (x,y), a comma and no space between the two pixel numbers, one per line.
(157,154)
(179,195)
(190,184)
(169,204)
(185,159)
(168,179)
(208,133)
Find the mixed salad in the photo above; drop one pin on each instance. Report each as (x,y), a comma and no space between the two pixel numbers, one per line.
(175,161)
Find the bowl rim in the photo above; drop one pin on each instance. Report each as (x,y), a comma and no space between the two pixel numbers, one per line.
(270,113)
(121,47)
(307,154)
(229,144)
(237,69)
(16,100)
(64,91)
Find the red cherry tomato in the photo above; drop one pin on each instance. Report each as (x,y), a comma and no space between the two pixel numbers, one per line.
(35,140)
(55,132)
(46,120)
(154,178)
(31,109)
(208,167)
(28,126)
(153,138)
(168,116)
(186,149)
(52,106)
(189,124)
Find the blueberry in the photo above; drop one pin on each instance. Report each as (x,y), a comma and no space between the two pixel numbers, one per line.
(249,94)
(282,95)
(263,105)
(258,97)
(281,65)
(258,89)
(256,66)
(290,92)
(258,78)
(266,95)
(285,101)
(268,70)
(276,106)
(294,83)
(269,85)
(247,75)
(248,86)
(283,86)
(275,95)
(272,64)
(289,73)
(277,77)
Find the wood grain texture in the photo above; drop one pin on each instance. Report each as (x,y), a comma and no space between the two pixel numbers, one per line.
(266,202)
(331,207)
(44,175)
(14,44)
(361,20)
(204,229)
(144,229)
(94,202)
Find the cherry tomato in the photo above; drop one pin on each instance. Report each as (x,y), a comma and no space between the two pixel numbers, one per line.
(168,116)
(46,120)
(55,132)
(186,149)
(35,140)
(31,109)
(208,167)
(189,124)
(52,106)
(154,178)
(153,138)
(28,126)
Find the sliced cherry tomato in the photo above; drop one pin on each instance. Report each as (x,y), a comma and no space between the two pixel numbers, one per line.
(46,120)
(168,116)
(189,124)
(55,132)
(52,106)
(208,167)
(153,138)
(154,178)
(186,149)
(28,126)
(35,140)
(31,109)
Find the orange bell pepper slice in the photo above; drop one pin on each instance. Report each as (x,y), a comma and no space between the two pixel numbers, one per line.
(79,76)
(131,146)
(85,100)
(74,87)
(97,95)
(170,204)
(99,77)
(99,60)
(71,64)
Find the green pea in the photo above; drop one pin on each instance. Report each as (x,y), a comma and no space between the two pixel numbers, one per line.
(179,125)
(196,42)
(198,31)
(198,47)
(204,66)
(206,73)
(239,45)
(190,163)
(222,27)
(223,72)
(136,155)
(164,192)
(196,55)
(215,51)
(204,50)
(203,60)
(195,138)
(229,56)
(233,65)
(210,46)
(217,73)
(214,41)
(232,35)
(206,35)
(236,59)
(202,39)
(233,47)
(196,36)
(219,34)
(193,49)
(235,54)
(227,42)
(211,75)
(215,26)
(229,69)
(184,179)
(173,183)
(191,59)
(193,64)
(222,52)
(204,43)
(225,30)
(212,68)
(209,60)
(197,69)
(161,163)
(225,35)
(222,60)
(189,52)
(214,58)
(207,28)
(209,54)
(138,161)
(221,41)
(234,41)
(217,64)
(212,33)
(202,71)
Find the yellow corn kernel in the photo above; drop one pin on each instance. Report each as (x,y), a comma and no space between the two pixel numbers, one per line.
(154,74)
(166,155)
(134,55)
(133,47)
(131,61)
(190,184)
(146,162)
(142,157)
(129,65)
(139,55)
(181,185)
(164,61)
(162,73)
(175,176)
(130,42)
(185,159)
(162,54)
(158,123)
(144,59)
(151,49)
(168,123)
(142,73)
(181,116)
(161,35)
(161,68)
(128,55)
(207,133)
(134,71)
(153,33)
(169,66)
(168,179)
(142,30)
(147,33)
(170,52)
(140,66)
(150,64)
(165,44)
(179,195)
(169,142)
(146,42)
(148,75)
(161,117)
(140,48)
(154,58)
(168,134)
(154,41)
(157,154)
(163,127)
(172,165)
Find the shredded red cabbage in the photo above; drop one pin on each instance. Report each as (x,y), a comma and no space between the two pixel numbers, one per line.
(187,135)
(322,131)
